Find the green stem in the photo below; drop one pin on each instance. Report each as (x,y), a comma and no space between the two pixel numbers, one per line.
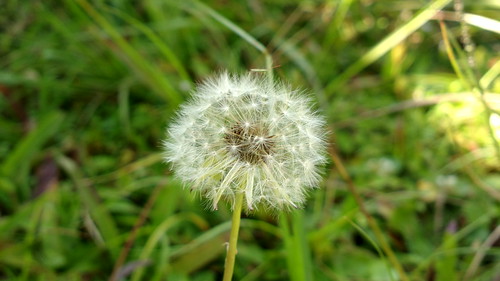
(297,250)
(233,239)
(269,66)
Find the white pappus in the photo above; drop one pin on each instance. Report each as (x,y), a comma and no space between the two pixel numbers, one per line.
(242,134)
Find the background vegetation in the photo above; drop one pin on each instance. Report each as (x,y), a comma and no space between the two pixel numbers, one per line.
(88,88)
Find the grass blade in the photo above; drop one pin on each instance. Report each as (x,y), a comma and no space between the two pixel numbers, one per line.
(146,71)
(387,44)
(98,212)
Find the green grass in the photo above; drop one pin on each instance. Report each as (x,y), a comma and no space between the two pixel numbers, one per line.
(87,89)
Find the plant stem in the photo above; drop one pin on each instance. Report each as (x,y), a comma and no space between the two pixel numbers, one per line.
(233,239)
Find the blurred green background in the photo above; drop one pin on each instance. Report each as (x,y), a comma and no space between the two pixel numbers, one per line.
(87,89)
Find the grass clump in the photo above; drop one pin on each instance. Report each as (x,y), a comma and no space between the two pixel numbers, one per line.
(87,89)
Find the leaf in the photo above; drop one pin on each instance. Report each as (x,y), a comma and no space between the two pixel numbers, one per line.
(99,214)
(26,149)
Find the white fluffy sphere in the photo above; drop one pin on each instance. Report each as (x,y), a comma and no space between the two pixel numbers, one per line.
(240,134)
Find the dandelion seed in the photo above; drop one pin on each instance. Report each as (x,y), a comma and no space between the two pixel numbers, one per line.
(241,135)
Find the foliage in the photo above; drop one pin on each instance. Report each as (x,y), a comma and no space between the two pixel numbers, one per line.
(88,88)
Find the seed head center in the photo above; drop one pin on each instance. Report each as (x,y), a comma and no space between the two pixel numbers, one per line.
(249,143)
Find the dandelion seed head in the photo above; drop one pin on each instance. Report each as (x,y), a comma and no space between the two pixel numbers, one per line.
(241,134)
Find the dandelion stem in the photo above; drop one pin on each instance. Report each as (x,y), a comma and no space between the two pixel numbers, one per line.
(233,239)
